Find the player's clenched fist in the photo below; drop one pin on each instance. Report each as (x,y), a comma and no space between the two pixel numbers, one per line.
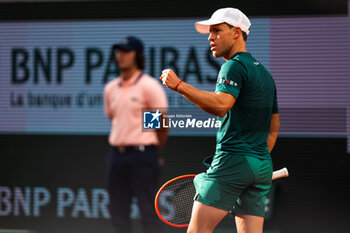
(170,79)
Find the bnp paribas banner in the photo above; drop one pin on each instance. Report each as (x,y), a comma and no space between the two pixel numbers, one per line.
(52,73)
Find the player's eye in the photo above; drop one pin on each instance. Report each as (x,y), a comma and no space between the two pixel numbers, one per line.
(214,30)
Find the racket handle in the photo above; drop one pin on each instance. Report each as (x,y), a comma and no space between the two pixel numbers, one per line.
(280,173)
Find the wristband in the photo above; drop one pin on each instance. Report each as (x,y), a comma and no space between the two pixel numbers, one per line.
(175,89)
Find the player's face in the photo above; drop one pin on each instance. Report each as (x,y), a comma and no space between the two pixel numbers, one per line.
(125,59)
(222,39)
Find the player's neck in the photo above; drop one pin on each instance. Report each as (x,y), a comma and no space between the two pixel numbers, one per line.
(128,73)
(237,47)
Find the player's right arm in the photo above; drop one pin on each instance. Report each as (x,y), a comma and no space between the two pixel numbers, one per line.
(218,103)
(273,133)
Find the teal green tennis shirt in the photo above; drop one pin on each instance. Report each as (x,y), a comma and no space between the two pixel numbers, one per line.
(245,128)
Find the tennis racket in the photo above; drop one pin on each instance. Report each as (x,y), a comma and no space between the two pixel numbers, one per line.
(174,200)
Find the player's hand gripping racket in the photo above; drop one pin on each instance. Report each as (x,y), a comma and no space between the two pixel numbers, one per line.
(174,200)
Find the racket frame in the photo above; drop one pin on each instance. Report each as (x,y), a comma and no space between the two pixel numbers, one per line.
(157,196)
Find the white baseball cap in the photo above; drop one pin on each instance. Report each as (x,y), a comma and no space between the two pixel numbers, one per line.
(232,16)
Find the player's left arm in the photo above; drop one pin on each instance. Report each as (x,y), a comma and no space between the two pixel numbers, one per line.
(273,133)
(275,124)
(215,103)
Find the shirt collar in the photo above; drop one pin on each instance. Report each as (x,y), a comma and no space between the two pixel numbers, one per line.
(131,80)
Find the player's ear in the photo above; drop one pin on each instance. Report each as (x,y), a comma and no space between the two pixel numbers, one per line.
(237,32)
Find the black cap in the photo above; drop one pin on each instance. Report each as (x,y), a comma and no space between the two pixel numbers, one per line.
(129,44)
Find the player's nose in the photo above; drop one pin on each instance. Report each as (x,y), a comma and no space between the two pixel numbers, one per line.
(211,37)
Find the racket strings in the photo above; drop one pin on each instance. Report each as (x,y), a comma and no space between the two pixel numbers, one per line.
(176,201)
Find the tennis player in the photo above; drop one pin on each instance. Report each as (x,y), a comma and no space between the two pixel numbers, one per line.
(238,177)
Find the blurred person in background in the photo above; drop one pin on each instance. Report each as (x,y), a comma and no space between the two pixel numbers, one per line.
(133,165)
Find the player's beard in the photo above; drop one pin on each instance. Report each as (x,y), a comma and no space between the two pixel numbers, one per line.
(225,53)
(219,53)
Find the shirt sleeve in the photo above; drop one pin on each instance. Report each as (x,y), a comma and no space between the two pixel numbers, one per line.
(275,108)
(230,80)
(155,96)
